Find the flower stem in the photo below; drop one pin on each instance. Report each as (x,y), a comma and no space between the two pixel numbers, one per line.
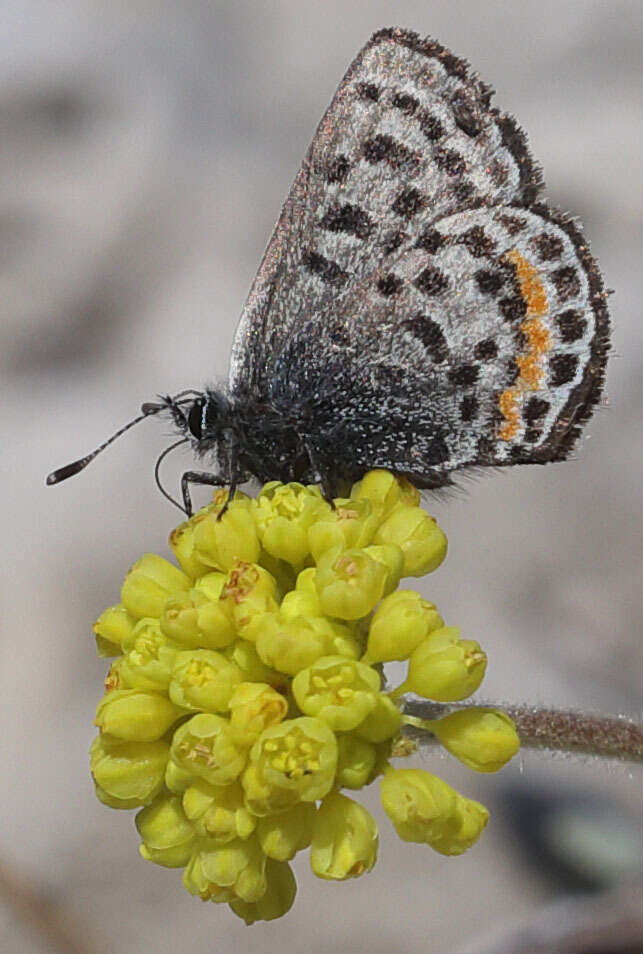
(558,730)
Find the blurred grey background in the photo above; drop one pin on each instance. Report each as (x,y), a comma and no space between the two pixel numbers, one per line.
(145,151)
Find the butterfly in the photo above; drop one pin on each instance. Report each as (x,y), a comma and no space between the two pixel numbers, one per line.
(418,308)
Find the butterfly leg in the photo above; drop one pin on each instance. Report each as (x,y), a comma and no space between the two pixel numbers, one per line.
(327,486)
(199,477)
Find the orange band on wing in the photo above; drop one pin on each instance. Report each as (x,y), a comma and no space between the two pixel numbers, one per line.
(538,341)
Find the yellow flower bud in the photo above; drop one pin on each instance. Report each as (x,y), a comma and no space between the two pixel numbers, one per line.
(210,585)
(230,872)
(351,524)
(182,543)
(448,674)
(220,541)
(441,638)
(382,489)
(391,557)
(305,582)
(297,603)
(293,761)
(136,716)
(112,627)
(203,680)
(244,655)
(283,573)
(341,692)
(283,513)
(355,761)
(150,657)
(278,899)
(282,836)
(400,623)
(382,723)
(423,543)
(291,645)
(167,835)
(420,805)
(409,495)
(349,583)
(483,739)
(114,678)
(127,774)
(179,619)
(470,821)
(262,798)
(254,706)
(204,747)
(218,812)
(148,585)
(344,841)
(249,591)
(177,779)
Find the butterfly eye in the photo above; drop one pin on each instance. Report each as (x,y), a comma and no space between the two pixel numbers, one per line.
(195,419)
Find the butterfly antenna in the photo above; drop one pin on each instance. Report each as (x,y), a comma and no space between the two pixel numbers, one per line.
(157,478)
(69,470)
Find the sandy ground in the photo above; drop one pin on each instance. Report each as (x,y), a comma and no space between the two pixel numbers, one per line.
(146,148)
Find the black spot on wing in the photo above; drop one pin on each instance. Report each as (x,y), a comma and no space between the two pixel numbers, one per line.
(431,281)
(468,408)
(430,125)
(338,169)
(384,148)
(464,376)
(389,285)
(405,102)
(409,202)
(464,190)
(466,113)
(477,242)
(567,282)
(562,369)
(513,223)
(534,410)
(329,271)
(513,309)
(549,247)
(486,350)
(450,161)
(378,148)
(347,218)
(431,240)
(430,334)
(571,325)
(368,92)
(489,281)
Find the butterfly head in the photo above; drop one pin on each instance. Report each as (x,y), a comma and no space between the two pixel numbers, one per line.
(203,420)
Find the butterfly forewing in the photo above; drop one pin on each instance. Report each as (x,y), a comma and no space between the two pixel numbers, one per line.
(412,273)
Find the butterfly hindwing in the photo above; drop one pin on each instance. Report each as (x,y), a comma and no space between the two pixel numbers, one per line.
(414,282)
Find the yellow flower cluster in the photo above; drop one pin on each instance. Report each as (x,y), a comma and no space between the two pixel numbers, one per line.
(248,691)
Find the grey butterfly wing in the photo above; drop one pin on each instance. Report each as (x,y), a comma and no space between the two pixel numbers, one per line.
(409,136)
(412,271)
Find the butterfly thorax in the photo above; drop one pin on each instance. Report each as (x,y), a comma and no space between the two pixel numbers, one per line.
(245,437)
